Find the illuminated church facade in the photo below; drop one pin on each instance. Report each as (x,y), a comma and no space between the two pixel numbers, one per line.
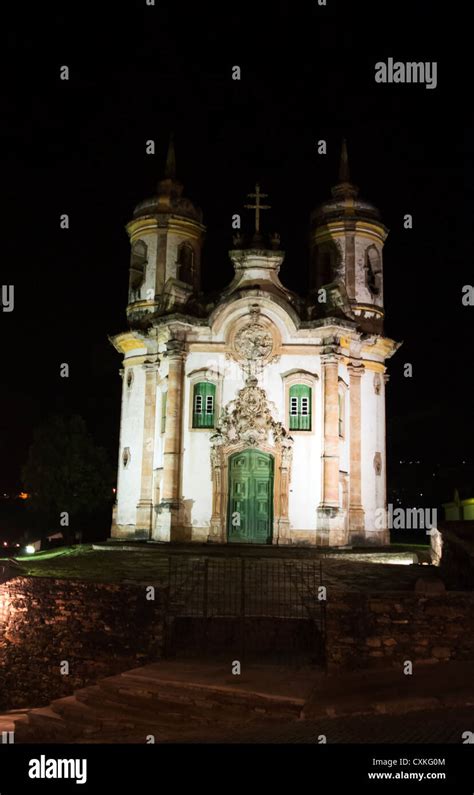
(257,416)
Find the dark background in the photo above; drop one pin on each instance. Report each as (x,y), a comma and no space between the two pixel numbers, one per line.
(138,72)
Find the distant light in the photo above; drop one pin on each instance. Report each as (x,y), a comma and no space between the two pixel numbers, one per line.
(23,495)
(5,543)
(30,549)
(114,490)
(17,545)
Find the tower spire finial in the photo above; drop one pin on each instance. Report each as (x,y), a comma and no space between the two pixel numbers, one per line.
(344,175)
(170,166)
(344,188)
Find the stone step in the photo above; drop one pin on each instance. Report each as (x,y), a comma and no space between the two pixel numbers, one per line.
(167,701)
(134,689)
(43,724)
(10,722)
(106,711)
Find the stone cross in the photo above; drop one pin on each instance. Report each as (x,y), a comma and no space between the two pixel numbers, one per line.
(257,206)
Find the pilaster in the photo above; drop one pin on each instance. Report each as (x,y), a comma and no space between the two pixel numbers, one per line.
(329,517)
(169,518)
(356,511)
(144,519)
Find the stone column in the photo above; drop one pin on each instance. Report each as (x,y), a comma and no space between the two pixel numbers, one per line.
(283,536)
(144,519)
(330,462)
(169,510)
(217,528)
(356,511)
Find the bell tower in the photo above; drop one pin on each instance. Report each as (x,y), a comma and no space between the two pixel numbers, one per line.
(347,239)
(166,236)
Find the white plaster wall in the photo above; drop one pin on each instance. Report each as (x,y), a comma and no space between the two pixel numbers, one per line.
(159,437)
(305,483)
(131,435)
(381,482)
(344,450)
(306,472)
(196,481)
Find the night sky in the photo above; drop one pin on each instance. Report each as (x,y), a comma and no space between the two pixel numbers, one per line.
(139,72)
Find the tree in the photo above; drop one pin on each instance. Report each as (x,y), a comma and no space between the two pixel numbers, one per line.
(68,477)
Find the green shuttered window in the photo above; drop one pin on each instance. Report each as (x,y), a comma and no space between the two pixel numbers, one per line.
(204,400)
(300,407)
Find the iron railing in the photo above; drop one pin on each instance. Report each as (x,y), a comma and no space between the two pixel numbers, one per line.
(260,607)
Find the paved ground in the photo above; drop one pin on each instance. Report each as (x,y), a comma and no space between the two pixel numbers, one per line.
(434,726)
(378,570)
(187,702)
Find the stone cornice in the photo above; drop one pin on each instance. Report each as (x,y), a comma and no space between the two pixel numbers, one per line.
(128,341)
(384,347)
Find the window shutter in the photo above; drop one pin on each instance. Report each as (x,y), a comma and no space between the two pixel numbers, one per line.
(198,404)
(300,407)
(204,405)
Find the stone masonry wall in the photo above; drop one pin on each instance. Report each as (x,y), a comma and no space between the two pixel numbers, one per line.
(380,630)
(99,629)
(457,558)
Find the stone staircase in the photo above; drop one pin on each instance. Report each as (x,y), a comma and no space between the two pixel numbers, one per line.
(151,702)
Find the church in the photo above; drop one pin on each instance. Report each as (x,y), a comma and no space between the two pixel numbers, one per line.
(256,416)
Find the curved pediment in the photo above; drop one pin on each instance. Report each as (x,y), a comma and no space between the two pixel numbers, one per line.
(274,311)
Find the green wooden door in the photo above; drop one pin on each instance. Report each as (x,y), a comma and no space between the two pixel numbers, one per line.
(250,497)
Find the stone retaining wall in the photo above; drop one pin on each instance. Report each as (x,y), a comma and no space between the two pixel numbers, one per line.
(103,629)
(98,629)
(380,630)
(457,554)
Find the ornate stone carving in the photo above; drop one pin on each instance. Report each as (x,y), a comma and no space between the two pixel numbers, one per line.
(249,420)
(245,422)
(253,342)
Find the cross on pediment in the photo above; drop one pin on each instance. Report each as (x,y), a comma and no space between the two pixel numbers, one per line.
(257,206)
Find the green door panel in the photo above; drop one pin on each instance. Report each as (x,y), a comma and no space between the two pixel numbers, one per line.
(250,497)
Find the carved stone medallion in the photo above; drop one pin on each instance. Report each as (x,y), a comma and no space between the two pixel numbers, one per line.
(253,342)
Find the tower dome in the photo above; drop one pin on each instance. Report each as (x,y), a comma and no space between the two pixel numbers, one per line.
(347,239)
(166,236)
